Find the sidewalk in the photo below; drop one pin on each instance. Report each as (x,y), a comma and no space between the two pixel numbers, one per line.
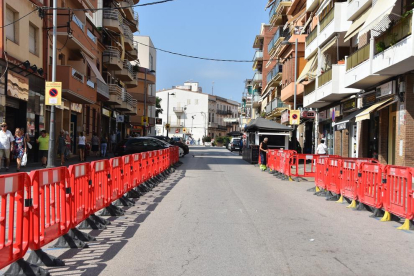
(37,166)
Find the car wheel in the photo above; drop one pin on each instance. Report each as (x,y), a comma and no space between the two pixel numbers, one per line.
(181,152)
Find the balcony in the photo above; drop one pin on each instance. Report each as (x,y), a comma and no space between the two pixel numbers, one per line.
(128,37)
(112,20)
(277,13)
(309,88)
(102,89)
(334,22)
(115,95)
(151,100)
(212,125)
(126,73)
(277,39)
(88,4)
(288,92)
(149,76)
(311,46)
(75,86)
(112,58)
(178,109)
(132,54)
(274,76)
(258,60)
(229,112)
(331,88)
(134,82)
(80,39)
(257,78)
(311,5)
(275,108)
(356,8)
(126,6)
(221,112)
(221,127)
(358,57)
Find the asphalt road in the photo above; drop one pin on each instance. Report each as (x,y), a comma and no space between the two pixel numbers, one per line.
(218,215)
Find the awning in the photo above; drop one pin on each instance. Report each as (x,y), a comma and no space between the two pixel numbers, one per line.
(269,4)
(380,10)
(388,104)
(366,115)
(329,44)
(356,25)
(94,68)
(343,124)
(308,68)
(307,23)
(299,14)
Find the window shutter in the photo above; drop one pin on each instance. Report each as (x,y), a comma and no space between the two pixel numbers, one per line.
(10,28)
(32,39)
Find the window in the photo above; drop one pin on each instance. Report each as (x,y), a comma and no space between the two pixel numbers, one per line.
(178,120)
(196,101)
(151,62)
(188,101)
(33,31)
(11,29)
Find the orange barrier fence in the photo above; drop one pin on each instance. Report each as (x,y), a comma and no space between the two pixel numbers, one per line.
(38,209)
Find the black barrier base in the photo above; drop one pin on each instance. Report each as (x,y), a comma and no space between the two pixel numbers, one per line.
(313,190)
(77,234)
(362,207)
(143,189)
(377,213)
(112,210)
(332,197)
(100,219)
(39,257)
(124,201)
(66,241)
(133,194)
(321,193)
(90,223)
(23,268)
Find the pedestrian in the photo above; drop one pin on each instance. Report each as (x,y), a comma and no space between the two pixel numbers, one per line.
(321,149)
(263,149)
(241,146)
(81,146)
(43,142)
(95,144)
(198,141)
(104,145)
(6,144)
(62,147)
(20,147)
(113,142)
(68,143)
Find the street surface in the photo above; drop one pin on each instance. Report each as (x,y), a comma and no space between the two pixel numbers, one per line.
(218,215)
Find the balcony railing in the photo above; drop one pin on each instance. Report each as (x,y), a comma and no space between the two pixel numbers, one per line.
(77,21)
(127,65)
(327,19)
(90,83)
(116,90)
(113,14)
(358,57)
(77,75)
(222,127)
(178,109)
(276,37)
(112,52)
(257,77)
(309,88)
(102,88)
(257,55)
(311,36)
(127,31)
(276,70)
(325,78)
(275,6)
(394,34)
(229,112)
(91,36)
(213,125)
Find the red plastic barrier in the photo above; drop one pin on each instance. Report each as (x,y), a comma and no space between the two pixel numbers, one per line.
(321,170)
(371,188)
(137,175)
(14,217)
(155,164)
(150,164)
(271,159)
(100,176)
(333,182)
(115,185)
(297,159)
(81,193)
(145,167)
(398,192)
(128,171)
(49,220)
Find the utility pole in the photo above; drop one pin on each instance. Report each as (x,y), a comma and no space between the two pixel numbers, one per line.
(51,153)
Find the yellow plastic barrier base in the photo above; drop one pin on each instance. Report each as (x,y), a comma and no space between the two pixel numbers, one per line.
(406,226)
(290,179)
(317,189)
(386,217)
(340,200)
(352,205)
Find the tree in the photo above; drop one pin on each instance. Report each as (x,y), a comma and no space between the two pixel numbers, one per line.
(158,109)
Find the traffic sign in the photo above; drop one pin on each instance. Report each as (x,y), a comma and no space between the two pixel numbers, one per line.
(177,130)
(184,130)
(53,93)
(294,117)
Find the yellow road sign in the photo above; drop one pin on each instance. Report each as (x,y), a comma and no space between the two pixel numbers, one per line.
(53,93)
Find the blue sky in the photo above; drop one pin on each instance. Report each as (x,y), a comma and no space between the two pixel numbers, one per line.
(223,29)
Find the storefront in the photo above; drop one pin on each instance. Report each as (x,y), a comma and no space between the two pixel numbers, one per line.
(325,128)
(105,119)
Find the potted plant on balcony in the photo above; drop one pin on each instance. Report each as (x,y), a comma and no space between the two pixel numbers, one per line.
(380,46)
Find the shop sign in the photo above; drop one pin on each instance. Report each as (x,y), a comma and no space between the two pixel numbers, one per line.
(322,116)
(294,117)
(53,93)
(106,112)
(349,105)
(385,89)
(115,114)
(17,86)
(285,116)
(369,99)
(158,121)
(137,127)
(338,111)
(308,114)
(341,126)
(120,119)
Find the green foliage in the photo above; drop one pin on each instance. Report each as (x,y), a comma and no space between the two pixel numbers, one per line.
(220,139)
(380,46)
(207,139)
(158,109)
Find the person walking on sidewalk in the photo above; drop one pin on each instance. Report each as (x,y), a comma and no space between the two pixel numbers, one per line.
(20,147)
(321,149)
(81,146)
(43,142)
(113,142)
(104,145)
(95,144)
(6,144)
(62,147)
(263,149)
(68,143)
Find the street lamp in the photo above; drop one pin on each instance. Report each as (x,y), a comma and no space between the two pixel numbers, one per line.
(205,123)
(145,99)
(295,87)
(168,109)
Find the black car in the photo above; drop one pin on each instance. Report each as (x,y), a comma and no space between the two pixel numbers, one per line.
(174,142)
(139,144)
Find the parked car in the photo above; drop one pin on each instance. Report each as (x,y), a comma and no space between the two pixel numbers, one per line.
(139,144)
(234,144)
(174,141)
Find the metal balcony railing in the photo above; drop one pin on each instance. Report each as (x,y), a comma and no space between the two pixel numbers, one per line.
(325,78)
(112,52)
(327,19)
(358,57)
(127,65)
(258,54)
(275,38)
(178,109)
(275,71)
(127,31)
(311,36)
(397,32)
(113,14)
(257,77)
(275,6)
(309,88)
(116,90)
(102,88)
